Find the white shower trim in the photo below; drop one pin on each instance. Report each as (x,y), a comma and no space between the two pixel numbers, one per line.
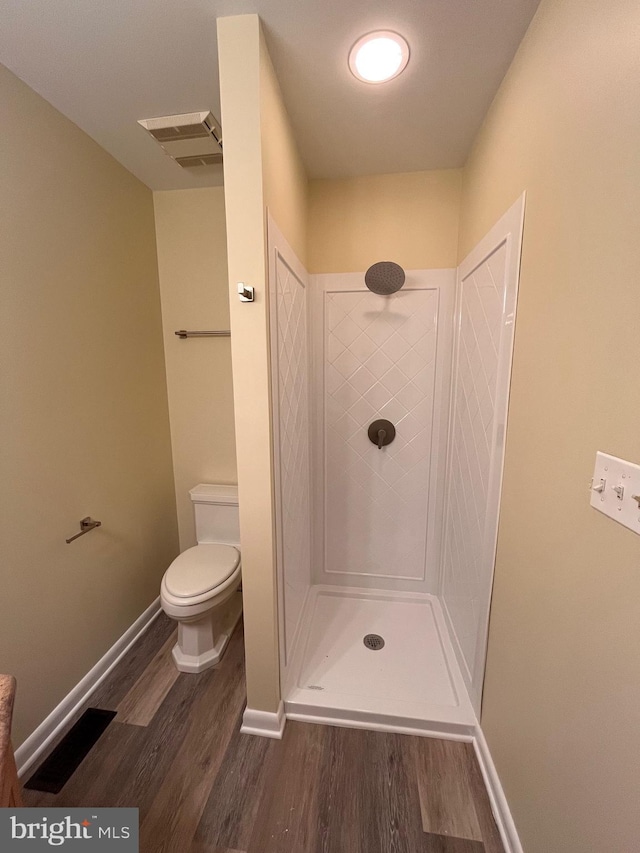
(49,729)
(264,723)
(453,637)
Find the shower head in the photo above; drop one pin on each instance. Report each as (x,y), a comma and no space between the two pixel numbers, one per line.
(384,278)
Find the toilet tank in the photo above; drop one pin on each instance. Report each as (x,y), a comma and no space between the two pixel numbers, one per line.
(216,514)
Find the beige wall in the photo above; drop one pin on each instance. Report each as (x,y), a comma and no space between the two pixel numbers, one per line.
(192,265)
(409,218)
(562,694)
(83,423)
(260,172)
(285,184)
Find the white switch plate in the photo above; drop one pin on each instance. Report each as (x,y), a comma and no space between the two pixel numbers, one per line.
(617,475)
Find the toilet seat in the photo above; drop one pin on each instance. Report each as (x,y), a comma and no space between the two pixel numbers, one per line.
(219,587)
(200,569)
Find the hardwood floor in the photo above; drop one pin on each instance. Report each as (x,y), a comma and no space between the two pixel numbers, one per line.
(141,703)
(175,751)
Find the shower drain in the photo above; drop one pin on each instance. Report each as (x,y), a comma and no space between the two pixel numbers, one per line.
(373,642)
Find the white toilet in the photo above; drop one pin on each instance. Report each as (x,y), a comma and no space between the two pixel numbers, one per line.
(200,588)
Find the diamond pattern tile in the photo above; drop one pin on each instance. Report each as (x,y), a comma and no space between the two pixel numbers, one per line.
(294,443)
(376,502)
(465,571)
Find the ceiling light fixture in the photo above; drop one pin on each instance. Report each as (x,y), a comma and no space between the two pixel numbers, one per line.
(378,57)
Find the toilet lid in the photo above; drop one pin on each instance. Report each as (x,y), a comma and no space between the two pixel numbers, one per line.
(200,569)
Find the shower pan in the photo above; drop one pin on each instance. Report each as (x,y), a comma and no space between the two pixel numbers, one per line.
(389,393)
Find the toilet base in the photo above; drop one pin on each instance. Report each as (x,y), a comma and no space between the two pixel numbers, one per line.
(202,642)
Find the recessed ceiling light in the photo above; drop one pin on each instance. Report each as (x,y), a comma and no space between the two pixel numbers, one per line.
(378,57)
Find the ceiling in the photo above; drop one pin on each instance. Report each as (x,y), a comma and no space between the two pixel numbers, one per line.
(107,64)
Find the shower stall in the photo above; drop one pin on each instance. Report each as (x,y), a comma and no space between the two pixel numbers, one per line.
(389,400)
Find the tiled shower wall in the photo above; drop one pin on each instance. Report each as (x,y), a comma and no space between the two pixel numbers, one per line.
(467,565)
(291,435)
(380,357)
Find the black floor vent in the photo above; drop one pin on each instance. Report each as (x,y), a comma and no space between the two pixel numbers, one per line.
(59,767)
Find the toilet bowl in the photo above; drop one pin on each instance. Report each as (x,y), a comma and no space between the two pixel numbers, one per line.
(200,589)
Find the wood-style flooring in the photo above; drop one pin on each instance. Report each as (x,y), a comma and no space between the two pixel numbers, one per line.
(175,751)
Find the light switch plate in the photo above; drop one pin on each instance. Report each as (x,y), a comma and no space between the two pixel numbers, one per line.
(615,485)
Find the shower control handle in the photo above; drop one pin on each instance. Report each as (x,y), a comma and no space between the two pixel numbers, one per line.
(381,433)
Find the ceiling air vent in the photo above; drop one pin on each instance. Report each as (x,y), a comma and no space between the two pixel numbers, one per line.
(191,139)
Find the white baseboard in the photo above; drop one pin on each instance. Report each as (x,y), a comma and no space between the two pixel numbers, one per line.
(497,798)
(264,723)
(35,745)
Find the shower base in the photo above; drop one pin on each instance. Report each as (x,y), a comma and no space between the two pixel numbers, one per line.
(410,684)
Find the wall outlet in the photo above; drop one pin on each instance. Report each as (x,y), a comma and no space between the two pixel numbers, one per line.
(615,490)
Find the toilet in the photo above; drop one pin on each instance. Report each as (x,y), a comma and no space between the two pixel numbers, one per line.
(200,589)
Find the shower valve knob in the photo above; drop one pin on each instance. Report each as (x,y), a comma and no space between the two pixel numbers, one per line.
(381,433)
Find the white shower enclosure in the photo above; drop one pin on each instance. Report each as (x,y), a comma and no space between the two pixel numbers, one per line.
(398,542)
(375,511)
